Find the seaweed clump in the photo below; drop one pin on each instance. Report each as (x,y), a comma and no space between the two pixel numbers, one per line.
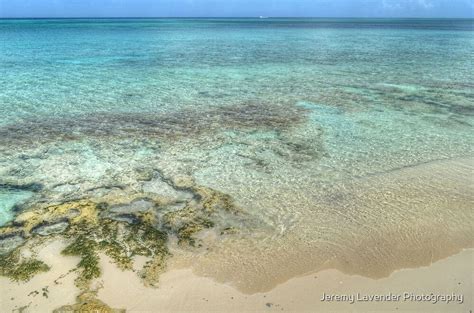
(89,264)
(199,214)
(93,228)
(187,231)
(119,240)
(17,268)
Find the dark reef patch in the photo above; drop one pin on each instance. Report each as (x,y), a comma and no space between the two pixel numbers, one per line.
(33,187)
(187,123)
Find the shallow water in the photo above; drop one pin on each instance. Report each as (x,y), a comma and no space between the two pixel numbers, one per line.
(312,126)
(9,198)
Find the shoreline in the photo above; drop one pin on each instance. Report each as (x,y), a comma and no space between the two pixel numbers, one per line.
(302,293)
(185,287)
(180,290)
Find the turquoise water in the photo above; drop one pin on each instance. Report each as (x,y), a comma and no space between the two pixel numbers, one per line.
(69,67)
(8,200)
(274,112)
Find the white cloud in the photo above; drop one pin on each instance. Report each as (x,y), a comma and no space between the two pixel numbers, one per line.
(425,4)
(395,5)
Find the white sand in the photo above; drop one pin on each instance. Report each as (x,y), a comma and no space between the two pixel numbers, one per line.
(14,296)
(182,291)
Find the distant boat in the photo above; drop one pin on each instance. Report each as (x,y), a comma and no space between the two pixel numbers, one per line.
(263,16)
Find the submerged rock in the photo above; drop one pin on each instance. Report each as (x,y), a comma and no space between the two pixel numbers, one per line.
(140,205)
(164,190)
(10,243)
(49,229)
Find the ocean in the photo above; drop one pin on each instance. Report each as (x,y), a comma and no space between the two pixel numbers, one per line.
(344,143)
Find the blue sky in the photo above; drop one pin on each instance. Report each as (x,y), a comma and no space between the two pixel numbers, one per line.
(235,8)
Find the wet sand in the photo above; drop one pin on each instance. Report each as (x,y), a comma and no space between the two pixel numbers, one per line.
(182,291)
(405,218)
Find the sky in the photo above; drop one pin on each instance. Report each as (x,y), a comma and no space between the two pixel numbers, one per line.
(237,8)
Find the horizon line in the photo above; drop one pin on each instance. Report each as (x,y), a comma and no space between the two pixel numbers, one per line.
(235,17)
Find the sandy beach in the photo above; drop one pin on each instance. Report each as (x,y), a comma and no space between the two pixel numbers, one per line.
(182,291)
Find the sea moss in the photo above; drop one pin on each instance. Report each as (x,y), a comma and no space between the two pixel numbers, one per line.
(117,253)
(196,216)
(187,231)
(92,228)
(89,264)
(15,267)
(73,212)
(153,268)
(147,240)
(213,201)
(119,240)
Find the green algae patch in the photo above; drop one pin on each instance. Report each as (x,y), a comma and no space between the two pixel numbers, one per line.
(89,264)
(187,231)
(117,227)
(199,214)
(73,212)
(17,268)
(121,241)
(214,201)
(151,271)
(88,233)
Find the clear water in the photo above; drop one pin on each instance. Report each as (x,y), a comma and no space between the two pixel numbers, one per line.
(8,200)
(282,114)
